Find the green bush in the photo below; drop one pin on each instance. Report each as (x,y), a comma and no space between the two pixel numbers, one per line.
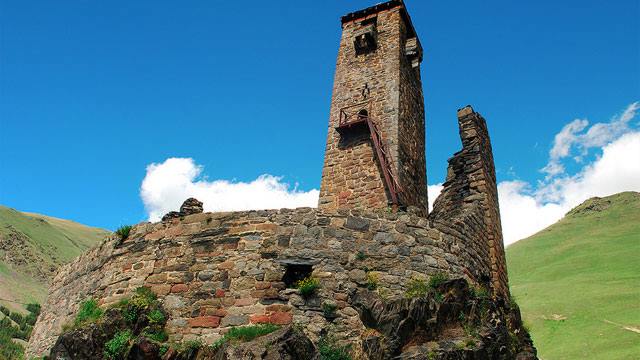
(163,349)
(118,346)
(142,299)
(308,286)
(89,312)
(156,317)
(329,350)
(156,335)
(416,288)
(123,232)
(9,349)
(372,281)
(437,280)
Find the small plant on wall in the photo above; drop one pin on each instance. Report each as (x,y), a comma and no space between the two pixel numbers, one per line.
(308,286)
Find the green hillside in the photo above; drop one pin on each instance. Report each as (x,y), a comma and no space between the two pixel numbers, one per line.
(578,281)
(32,247)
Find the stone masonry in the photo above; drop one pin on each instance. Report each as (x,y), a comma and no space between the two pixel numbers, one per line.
(471,183)
(378,74)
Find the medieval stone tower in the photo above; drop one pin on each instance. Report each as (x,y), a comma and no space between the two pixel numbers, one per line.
(375,154)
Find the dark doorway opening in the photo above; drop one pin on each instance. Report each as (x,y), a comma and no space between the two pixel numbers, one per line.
(295,273)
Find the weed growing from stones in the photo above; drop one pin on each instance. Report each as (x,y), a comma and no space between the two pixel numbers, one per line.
(330,350)
(89,312)
(156,317)
(416,288)
(360,256)
(437,280)
(159,336)
(329,309)
(245,333)
(118,345)
(123,232)
(372,281)
(308,286)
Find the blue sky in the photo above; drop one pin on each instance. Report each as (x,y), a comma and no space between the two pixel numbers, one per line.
(91,93)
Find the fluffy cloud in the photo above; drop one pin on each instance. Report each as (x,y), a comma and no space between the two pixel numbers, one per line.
(572,136)
(433,191)
(168,184)
(526,210)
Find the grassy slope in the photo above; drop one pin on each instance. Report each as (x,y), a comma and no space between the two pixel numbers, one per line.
(54,241)
(586,267)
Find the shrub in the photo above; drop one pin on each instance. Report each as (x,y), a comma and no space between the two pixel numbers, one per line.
(123,232)
(329,350)
(308,286)
(416,288)
(34,308)
(89,312)
(372,281)
(156,335)
(329,309)
(118,345)
(437,280)
(156,317)
(142,299)
(360,256)
(163,349)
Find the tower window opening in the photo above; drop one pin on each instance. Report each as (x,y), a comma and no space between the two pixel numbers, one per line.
(295,273)
(363,114)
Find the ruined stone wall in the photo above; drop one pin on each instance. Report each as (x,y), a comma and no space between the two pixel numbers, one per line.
(372,81)
(471,190)
(216,270)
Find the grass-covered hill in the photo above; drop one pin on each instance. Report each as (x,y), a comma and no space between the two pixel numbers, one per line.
(32,247)
(578,281)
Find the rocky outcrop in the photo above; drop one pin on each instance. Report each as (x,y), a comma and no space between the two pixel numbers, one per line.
(450,322)
(189,207)
(284,344)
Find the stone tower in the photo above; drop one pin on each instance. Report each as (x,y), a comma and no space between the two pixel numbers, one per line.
(375,152)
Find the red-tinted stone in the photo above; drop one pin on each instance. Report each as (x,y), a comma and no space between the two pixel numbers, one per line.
(281,318)
(259,319)
(205,321)
(179,288)
(245,302)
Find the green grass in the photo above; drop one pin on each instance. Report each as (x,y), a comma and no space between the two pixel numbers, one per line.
(246,333)
(49,242)
(330,350)
(578,282)
(89,312)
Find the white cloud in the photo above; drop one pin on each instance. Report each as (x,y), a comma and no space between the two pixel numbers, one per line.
(526,209)
(573,136)
(433,191)
(168,184)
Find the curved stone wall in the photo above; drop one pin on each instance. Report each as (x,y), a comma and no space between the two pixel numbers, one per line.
(217,270)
